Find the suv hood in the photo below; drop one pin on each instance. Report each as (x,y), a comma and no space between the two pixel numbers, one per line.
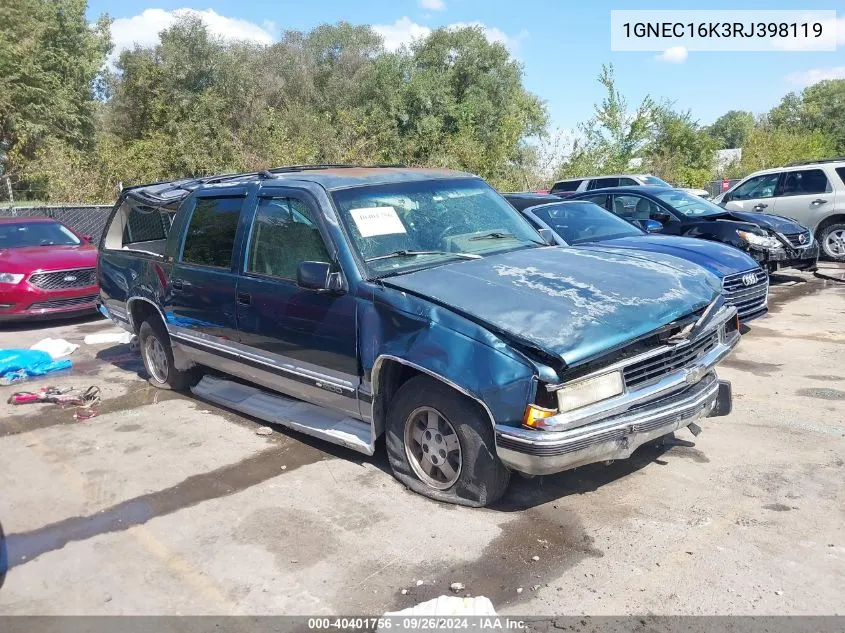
(573,303)
(718,258)
(32,258)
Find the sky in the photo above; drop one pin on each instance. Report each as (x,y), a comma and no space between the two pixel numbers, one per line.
(561,44)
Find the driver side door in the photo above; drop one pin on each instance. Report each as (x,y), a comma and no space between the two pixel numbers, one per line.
(755,194)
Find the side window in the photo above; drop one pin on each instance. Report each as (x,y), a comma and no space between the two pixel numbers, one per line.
(211,232)
(599,200)
(601,183)
(632,207)
(284,234)
(146,224)
(757,187)
(804,182)
(628,182)
(840,171)
(566,185)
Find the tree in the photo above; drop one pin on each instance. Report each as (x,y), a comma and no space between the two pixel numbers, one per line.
(50,60)
(768,146)
(614,136)
(820,107)
(681,151)
(732,128)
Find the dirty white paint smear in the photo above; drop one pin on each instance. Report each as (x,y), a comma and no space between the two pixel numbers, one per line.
(377,221)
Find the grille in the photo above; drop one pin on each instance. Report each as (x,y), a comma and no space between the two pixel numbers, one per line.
(654,368)
(64,279)
(56,304)
(746,299)
(795,239)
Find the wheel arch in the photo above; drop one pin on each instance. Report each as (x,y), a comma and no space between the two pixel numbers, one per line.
(390,372)
(139,309)
(835,218)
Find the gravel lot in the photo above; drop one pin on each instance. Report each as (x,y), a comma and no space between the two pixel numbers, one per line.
(164,504)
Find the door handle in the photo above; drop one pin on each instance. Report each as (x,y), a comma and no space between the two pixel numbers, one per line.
(178,284)
(819,201)
(759,206)
(244,298)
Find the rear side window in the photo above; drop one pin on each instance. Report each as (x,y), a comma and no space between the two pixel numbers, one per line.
(283,235)
(601,183)
(600,200)
(211,233)
(566,185)
(804,182)
(628,182)
(840,171)
(146,224)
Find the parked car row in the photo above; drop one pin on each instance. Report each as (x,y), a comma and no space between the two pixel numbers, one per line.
(419,305)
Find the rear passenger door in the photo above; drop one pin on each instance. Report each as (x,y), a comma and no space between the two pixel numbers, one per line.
(200,309)
(297,341)
(806,195)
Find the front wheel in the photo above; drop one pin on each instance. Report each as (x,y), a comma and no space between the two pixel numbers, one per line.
(832,242)
(441,444)
(158,358)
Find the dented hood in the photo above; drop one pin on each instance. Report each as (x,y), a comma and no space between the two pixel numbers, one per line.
(573,303)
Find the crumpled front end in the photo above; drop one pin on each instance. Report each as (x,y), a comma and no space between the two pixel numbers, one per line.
(666,388)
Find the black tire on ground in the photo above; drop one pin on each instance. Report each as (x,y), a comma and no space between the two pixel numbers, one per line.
(483,478)
(166,376)
(822,237)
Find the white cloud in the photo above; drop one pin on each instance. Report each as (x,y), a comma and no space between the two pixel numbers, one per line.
(143,29)
(405,31)
(434,5)
(674,55)
(814,75)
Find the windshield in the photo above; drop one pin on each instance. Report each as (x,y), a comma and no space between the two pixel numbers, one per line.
(655,181)
(578,222)
(689,204)
(405,226)
(20,235)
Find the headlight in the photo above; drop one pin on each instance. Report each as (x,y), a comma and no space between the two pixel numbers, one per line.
(589,391)
(10,278)
(761,241)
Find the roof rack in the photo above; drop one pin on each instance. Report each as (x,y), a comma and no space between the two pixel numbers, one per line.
(187,185)
(837,159)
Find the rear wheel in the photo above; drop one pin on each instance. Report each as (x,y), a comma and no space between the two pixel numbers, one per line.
(832,242)
(158,358)
(441,444)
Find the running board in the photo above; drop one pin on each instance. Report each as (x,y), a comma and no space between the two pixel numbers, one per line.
(300,416)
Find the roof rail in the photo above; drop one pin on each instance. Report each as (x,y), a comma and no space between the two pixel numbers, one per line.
(837,159)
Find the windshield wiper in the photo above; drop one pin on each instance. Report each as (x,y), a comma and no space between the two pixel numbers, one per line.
(408,253)
(499,235)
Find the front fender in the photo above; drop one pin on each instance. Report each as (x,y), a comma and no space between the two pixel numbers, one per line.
(399,327)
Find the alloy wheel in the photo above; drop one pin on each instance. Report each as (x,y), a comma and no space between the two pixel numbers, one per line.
(433,448)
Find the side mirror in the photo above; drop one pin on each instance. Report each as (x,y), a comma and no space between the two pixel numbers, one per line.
(548,236)
(318,276)
(652,226)
(726,197)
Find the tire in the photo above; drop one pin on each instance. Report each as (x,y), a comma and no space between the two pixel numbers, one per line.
(475,476)
(157,355)
(829,234)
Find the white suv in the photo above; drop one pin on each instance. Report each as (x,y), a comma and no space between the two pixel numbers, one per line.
(812,193)
(570,186)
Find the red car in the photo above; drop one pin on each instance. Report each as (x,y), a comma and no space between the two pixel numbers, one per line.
(46,270)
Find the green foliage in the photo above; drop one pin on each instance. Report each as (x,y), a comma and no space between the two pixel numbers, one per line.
(680,151)
(768,146)
(732,129)
(50,58)
(819,108)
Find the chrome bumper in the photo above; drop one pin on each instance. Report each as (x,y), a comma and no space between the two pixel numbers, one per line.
(542,453)
(614,428)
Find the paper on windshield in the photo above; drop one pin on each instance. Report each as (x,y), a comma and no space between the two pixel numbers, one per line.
(377,221)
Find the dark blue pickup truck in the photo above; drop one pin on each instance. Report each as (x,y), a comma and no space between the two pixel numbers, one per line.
(353,302)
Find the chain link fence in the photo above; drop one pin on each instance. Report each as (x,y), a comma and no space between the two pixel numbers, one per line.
(84,219)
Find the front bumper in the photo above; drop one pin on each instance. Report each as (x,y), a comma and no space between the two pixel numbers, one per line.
(539,453)
(614,428)
(799,259)
(26,302)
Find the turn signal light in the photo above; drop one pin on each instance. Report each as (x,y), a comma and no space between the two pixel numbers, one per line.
(534,416)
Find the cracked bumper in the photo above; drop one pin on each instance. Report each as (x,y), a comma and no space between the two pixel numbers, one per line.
(543,453)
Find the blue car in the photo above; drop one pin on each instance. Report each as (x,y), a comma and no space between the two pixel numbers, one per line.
(351,303)
(580,223)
